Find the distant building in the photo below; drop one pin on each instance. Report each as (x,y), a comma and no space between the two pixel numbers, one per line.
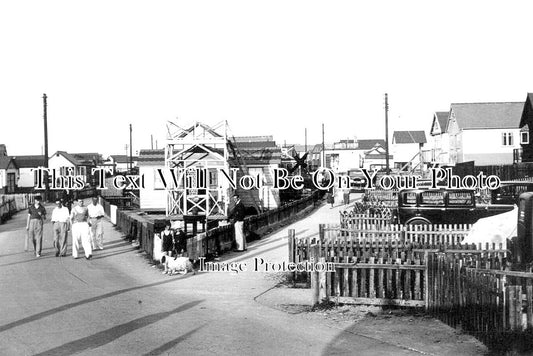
(27,176)
(121,163)
(347,155)
(407,148)
(376,158)
(8,175)
(79,164)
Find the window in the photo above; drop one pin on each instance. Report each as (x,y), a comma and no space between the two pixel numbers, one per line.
(524,138)
(460,198)
(409,198)
(432,198)
(507,139)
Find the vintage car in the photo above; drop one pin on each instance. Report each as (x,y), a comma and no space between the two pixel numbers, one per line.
(509,192)
(443,206)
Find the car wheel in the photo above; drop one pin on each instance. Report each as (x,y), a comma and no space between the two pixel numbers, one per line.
(418,221)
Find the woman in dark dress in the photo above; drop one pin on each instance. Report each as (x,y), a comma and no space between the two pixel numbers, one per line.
(167,243)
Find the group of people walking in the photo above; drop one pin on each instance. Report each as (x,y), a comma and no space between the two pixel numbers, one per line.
(86,224)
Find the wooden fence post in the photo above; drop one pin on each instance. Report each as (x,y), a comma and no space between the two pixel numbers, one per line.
(315,283)
(292,245)
(428,261)
(323,282)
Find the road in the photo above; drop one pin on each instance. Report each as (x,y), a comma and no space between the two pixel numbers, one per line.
(119,304)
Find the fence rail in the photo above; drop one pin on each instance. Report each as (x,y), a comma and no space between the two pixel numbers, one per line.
(219,239)
(370,281)
(12,203)
(391,241)
(494,305)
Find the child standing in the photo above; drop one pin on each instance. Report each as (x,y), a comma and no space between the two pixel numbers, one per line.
(167,243)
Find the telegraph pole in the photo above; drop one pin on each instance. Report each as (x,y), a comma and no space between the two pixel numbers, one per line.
(387,134)
(131,160)
(323,149)
(45,117)
(152,141)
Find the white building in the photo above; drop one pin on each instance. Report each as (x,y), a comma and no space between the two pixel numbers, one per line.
(439,140)
(121,163)
(486,133)
(407,148)
(347,155)
(79,164)
(27,177)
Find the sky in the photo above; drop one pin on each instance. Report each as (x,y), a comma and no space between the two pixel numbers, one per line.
(267,67)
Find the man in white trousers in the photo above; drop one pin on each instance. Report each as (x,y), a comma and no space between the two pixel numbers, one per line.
(80,230)
(96,223)
(60,227)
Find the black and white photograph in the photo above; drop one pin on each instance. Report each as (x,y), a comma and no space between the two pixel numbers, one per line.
(266,178)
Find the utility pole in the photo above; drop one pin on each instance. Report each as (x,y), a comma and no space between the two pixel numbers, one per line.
(323,148)
(306,139)
(387,134)
(45,117)
(131,160)
(152,141)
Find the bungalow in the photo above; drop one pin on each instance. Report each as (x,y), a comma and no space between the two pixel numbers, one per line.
(27,177)
(375,158)
(8,175)
(407,147)
(121,163)
(486,133)
(79,164)
(346,155)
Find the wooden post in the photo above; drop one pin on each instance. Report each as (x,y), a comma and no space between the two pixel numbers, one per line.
(324,280)
(315,282)
(292,252)
(428,261)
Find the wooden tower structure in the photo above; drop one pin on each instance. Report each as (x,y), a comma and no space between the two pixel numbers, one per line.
(197,155)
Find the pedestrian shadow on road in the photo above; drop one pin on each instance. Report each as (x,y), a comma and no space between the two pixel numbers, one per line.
(99,256)
(109,335)
(169,345)
(65,307)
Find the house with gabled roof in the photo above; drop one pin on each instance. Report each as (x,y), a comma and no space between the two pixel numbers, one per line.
(27,176)
(439,139)
(8,175)
(346,155)
(376,158)
(525,152)
(486,133)
(407,148)
(121,163)
(78,164)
